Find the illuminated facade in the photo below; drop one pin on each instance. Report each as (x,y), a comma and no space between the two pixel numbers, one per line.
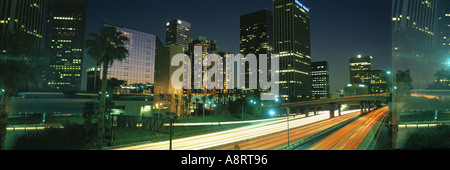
(26,15)
(413,33)
(256,32)
(293,44)
(441,79)
(208,47)
(320,80)
(178,32)
(66,20)
(139,66)
(443,29)
(375,80)
(358,65)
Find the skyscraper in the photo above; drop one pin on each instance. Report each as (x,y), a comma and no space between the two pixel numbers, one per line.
(178,32)
(320,80)
(163,82)
(358,65)
(25,15)
(292,43)
(256,32)
(443,29)
(93,79)
(66,21)
(208,47)
(375,80)
(139,66)
(413,31)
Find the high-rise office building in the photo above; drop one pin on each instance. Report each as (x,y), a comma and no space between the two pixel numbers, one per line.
(139,66)
(443,29)
(163,82)
(293,44)
(413,31)
(256,34)
(208,47)
(320,80)
(178,32)
(375,80)
(25,15)
(358,65)
(93,79)
(66,20)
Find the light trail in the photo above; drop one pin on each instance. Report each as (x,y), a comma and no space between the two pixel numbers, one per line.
(228,123)
(279,140)
(216,139)
(349,137)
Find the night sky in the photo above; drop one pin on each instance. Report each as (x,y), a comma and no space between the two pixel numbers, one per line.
(339,28)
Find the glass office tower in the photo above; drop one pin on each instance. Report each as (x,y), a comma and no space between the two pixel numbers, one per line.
(358,65)
(66,20)
(413,31)
(139,66)
(25,15)
(178,32)
(418,62)
(256,35)
(320,80)
(375,80)
(293,44)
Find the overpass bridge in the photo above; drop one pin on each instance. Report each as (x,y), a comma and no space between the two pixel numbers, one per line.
(366,102)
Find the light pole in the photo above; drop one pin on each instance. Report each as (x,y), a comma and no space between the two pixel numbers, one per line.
(287,115)
(204,111)
(278,103)
(171,132)
(242,107)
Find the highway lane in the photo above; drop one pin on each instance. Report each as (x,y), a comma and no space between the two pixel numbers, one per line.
(349,137)
(212,140)
(279,140)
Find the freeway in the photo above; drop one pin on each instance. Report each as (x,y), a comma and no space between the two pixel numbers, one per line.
(279,140)
(217,139)
(350,137)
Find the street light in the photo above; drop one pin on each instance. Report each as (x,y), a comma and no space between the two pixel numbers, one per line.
(204,111)
(272,113)
(287,116)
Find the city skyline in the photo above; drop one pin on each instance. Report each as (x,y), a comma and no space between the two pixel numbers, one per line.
(322,75)
(327,31)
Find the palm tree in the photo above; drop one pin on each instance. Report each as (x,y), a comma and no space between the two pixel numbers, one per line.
(18,69)
(176,103)
(197,100)
(105,48)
